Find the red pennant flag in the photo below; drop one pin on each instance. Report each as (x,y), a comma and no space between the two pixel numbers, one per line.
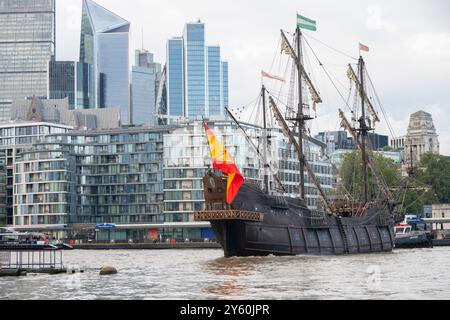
(363,47)
(271,76)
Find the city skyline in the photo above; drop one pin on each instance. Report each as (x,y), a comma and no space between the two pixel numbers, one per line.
(397,42)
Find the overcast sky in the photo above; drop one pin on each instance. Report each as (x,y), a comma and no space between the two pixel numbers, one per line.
(409,61)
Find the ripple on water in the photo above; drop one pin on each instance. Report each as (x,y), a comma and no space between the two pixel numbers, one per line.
(206,274)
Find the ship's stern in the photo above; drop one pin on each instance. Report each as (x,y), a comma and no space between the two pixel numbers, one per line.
(228,224)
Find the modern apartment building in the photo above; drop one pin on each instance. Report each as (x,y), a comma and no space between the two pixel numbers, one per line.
(15,139)
(91,177)
(3,213)
(142,179)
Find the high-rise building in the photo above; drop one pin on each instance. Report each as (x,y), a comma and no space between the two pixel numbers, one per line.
(214,79)
(197,78)
(420,138)
(71,80)
(27,44)
(195,69)
(105,46)
(224,85)
(175,77)
(145,78)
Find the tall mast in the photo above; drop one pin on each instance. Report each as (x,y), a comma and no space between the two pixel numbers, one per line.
(364,129)
(300,119)
(300,115)
(265,141)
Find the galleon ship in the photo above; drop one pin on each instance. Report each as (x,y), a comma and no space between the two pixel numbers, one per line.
(250,220)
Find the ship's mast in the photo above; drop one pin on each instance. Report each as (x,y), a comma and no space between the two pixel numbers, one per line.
(364,130)
(265,141)
(300,115)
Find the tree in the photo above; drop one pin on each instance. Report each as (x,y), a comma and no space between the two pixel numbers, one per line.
(430,184)
(351,174)
(436,173)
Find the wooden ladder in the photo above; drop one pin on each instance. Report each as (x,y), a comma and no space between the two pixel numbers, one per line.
(344,234)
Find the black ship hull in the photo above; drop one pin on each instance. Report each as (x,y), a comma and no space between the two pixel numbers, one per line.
(414,240)
(288,227)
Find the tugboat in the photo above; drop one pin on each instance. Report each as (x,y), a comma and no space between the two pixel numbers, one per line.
(249,220)
(408,236)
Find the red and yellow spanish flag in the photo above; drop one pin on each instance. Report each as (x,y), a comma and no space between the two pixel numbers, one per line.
(223,161)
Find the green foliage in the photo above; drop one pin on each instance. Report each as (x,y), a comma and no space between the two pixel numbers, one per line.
(434,177)
(351,174)
(430,184)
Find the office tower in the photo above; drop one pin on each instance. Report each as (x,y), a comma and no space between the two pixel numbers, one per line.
(161,98)
(27,43)
(105,45)
(195,69)
(72,80)
(197,78)
(225,90)
(144,85)
(214,79)
(175,77)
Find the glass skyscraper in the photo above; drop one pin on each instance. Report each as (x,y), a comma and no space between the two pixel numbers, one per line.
(197,78)
(104,45)
(144,84)
(195,69)
(225,101)
(214,81)
(27,43)
(175,77)
(71,80)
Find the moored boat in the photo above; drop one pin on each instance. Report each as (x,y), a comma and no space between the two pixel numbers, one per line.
(254,220)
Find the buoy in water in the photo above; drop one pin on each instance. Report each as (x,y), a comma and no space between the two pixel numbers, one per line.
(104,271)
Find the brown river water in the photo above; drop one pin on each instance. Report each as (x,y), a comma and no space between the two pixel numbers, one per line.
(205,274)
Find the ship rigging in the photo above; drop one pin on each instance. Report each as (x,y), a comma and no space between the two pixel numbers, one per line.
(260,222)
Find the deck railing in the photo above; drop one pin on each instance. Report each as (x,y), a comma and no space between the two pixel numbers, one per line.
(215,215)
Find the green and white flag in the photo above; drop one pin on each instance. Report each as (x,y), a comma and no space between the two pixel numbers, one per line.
(305,23)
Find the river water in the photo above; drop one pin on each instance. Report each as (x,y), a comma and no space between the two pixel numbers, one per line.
(205,274)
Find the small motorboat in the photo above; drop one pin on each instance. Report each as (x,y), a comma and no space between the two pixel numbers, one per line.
(407,238)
